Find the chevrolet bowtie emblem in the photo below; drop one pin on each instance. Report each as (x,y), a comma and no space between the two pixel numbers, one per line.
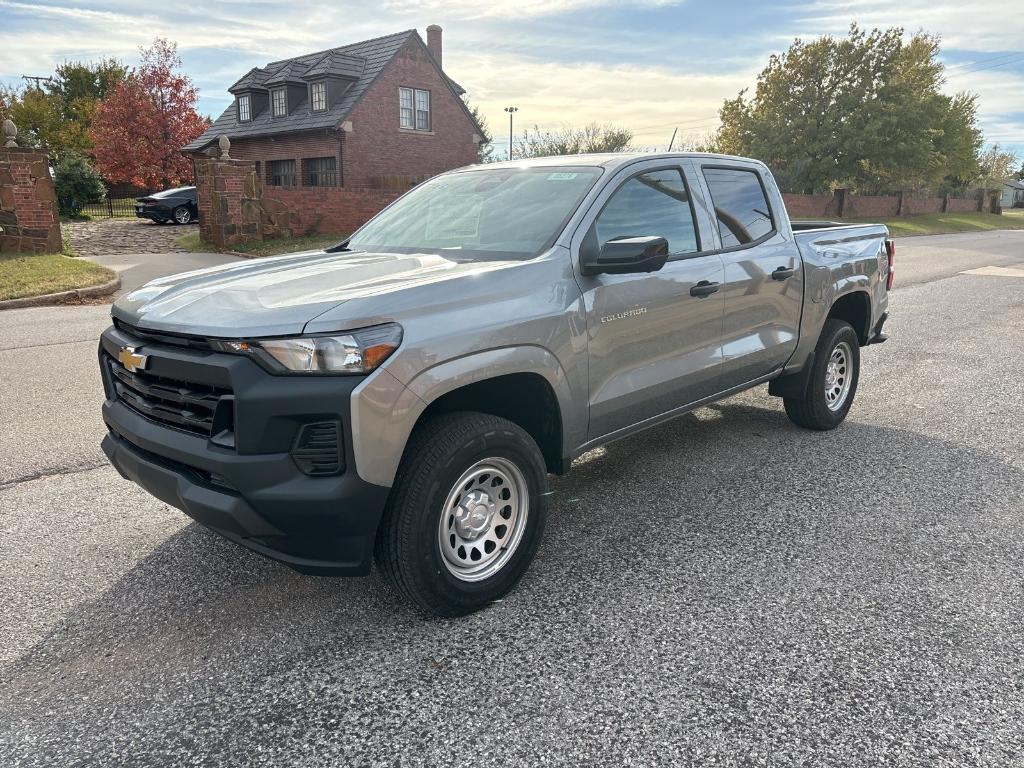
(131,360)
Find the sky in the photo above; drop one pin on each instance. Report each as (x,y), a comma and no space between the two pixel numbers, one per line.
(650,66)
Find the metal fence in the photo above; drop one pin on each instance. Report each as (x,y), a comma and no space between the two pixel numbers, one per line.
(113,208)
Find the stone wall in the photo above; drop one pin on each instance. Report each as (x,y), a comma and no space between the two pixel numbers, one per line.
(228,197)
(325,210)
(29,220)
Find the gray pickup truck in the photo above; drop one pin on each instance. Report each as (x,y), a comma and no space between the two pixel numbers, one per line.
(405,394)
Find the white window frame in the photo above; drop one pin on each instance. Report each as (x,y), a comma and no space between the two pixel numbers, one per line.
(284,102)
(318,93)
(414,104)
(244,114)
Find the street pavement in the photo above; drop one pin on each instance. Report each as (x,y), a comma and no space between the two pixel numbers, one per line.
(725,589)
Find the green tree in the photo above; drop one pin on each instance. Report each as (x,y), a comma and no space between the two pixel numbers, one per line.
(996,166)
(77,184)
(865,111)
(573,141)
(485,150)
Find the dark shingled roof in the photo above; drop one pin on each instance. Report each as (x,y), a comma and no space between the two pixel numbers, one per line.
(360,62)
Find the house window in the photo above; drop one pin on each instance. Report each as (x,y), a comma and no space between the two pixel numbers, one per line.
(414,109)
(319,96)
(282,173)
(244,109)
(322,171)
(279,102)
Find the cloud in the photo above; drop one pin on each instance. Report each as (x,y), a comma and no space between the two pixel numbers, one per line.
(520,9)
(980,25)
(650,101)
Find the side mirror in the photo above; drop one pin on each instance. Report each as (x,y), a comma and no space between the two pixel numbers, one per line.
(625,255)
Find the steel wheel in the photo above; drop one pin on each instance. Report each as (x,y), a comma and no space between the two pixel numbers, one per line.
(838,376)
(182,215)
(483,519)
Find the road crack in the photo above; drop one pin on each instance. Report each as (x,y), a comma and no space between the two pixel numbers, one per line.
(52,473)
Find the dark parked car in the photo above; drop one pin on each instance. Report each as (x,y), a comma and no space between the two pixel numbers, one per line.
(177,205)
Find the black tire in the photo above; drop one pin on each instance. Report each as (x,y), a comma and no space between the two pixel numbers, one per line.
(160,222)
(812,410)
(408,549)
(180,213)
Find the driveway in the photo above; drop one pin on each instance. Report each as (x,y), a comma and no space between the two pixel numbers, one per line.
(725,589)
(138,250)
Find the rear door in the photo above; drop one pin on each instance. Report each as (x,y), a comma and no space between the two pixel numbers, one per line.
(653,346)
(763,285)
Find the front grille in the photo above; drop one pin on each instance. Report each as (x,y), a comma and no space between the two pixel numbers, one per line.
(174,339)
(201,409)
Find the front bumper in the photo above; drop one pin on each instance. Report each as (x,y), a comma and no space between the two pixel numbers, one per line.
(251,492)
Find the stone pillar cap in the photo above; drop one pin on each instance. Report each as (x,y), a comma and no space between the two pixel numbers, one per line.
(10,133)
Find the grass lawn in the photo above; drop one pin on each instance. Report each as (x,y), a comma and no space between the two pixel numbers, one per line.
(22,275)
(193,244)
(944,223)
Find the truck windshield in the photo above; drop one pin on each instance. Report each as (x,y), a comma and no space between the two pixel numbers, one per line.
(499,213)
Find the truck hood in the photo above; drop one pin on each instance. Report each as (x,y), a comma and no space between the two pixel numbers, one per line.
(278,296)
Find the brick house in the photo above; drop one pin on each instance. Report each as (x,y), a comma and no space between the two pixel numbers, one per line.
(380,114)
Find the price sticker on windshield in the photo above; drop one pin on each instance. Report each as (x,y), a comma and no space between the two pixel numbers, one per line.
(561,176)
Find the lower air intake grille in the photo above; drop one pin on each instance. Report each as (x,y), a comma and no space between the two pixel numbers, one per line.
(317,450)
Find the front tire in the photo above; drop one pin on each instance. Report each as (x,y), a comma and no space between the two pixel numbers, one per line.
(835,371)
(466,514)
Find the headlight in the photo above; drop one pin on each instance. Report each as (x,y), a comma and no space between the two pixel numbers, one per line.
(357,352)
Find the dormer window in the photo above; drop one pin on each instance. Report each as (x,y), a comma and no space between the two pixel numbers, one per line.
(279,102)
(244,109)
(318,96)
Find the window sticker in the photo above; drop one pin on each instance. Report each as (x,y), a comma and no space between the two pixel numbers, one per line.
(562,176)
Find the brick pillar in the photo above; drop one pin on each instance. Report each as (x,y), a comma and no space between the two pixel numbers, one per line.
(29,220)
(229,196)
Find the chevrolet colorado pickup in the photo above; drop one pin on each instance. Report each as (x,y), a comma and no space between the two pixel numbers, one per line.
(405,394)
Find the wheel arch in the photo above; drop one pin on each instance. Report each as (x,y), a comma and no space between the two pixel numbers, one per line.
(854,308)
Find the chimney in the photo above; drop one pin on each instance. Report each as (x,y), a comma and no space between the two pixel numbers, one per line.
(434,42)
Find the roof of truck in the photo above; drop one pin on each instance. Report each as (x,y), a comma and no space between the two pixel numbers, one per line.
(608,160)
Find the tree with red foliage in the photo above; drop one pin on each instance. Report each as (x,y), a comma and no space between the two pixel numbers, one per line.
(139,129)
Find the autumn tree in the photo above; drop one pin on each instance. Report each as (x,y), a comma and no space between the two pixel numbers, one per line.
(864,111)
(140,127)
(589,139)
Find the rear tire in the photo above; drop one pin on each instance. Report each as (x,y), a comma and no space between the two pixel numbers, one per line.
(466,513)
(835,371)
(182,215)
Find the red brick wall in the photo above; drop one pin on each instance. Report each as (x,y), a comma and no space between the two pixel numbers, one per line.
(962,205)
(326,210)
(866,206)
(810,206)
(29,221)
(295,146)
(377,147)
(915,205)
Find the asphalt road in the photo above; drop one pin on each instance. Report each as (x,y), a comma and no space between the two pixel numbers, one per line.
(726,589)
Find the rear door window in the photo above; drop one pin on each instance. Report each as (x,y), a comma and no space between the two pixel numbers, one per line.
(655,203)
(741,206)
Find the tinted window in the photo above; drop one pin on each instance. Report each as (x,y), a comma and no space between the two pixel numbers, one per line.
(741,208)
(654,203)
(176,192)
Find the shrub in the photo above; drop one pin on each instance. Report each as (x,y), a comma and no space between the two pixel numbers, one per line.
(77,184)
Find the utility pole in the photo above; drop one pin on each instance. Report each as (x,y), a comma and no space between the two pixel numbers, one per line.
(511,111)
(673,140)
(37,80)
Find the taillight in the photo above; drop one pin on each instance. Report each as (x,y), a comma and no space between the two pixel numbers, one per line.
(890,252)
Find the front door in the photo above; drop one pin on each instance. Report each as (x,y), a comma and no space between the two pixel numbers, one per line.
(655,339)
(763,286)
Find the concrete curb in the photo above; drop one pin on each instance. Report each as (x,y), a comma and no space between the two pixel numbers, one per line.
(64,296)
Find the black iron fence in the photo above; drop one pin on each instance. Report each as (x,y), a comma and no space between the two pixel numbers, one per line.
(117,207)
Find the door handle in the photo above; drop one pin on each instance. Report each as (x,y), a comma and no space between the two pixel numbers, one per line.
(703,288)
(783,273)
